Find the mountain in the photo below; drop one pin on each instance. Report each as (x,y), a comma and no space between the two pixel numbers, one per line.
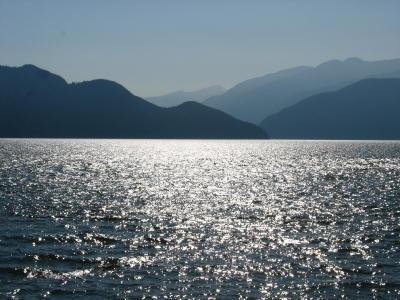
(176,98)
(368,109)
(257,98)
(37,103)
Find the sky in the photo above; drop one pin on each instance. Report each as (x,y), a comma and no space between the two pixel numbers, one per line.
(156,47)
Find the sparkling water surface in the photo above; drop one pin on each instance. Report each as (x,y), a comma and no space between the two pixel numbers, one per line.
(180,219)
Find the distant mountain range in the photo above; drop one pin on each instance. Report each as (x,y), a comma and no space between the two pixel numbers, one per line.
(255,99)
(325,102)
(37,103)
(368,109)
(177,98)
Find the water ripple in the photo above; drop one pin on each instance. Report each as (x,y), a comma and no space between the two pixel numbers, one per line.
(199,219)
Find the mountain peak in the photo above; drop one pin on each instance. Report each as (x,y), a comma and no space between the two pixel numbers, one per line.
(30,67)
(41,73)
(190,104)
(178,97)
(329,63)
(354,60)
(253,100)
(35,103)
(367,109)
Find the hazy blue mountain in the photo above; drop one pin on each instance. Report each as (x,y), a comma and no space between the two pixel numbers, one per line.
(368,109)
(37,103)
(255,99)
(176,98)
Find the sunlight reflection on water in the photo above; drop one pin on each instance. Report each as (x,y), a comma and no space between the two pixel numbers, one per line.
(180,219)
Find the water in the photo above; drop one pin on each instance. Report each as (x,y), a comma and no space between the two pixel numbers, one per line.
(120,219)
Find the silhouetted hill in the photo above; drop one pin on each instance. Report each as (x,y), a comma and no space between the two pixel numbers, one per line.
(368,109)
(267,95)
(37,103)
(176,98)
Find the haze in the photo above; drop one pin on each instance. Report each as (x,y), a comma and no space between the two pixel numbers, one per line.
(156,47)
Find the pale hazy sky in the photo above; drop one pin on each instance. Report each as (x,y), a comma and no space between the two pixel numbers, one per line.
(155,47)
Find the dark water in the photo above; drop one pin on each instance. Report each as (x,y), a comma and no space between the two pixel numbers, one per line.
(199,219)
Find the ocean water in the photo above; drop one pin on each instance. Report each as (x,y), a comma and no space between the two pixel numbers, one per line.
(198,219)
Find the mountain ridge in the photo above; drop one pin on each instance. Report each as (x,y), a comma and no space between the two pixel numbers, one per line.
(257,103)
(367,109)
(37,103)
(178,97)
